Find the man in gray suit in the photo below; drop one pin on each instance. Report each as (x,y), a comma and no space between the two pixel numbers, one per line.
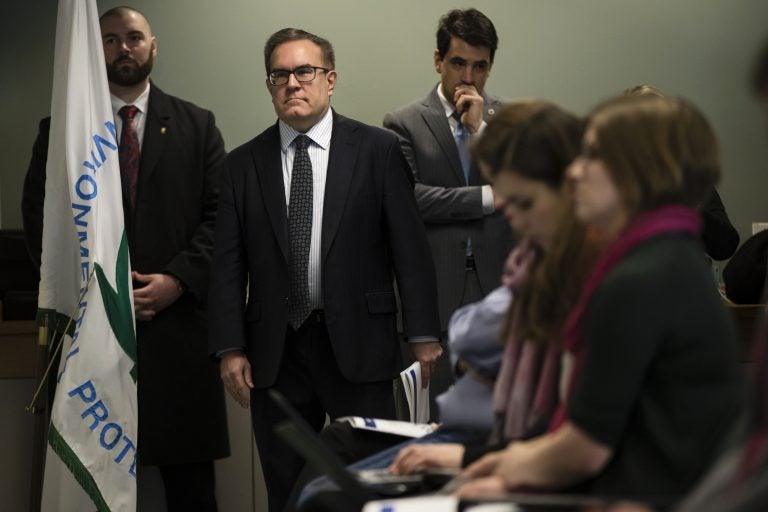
(469,240)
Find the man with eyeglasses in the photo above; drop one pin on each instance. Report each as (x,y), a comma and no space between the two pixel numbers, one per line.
(469,240)
(316,218)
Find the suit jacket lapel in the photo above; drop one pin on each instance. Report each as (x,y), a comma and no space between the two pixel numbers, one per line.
(266,155)
(156,132)
(341,161)
(434,116)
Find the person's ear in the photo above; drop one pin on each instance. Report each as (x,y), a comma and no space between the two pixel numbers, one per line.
(331,77)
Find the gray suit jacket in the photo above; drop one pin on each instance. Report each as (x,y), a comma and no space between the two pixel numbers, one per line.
(452,211)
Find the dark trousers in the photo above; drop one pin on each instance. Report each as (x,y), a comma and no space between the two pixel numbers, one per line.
(311,381)
(189,487)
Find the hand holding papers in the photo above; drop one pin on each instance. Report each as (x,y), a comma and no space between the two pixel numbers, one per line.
(418,408)
(416,395)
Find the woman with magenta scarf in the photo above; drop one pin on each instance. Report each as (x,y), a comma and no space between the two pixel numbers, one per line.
(650,383)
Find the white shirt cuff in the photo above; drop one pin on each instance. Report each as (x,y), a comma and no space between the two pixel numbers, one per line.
(488,207)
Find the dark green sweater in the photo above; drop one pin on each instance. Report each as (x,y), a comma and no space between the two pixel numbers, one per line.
(660,384)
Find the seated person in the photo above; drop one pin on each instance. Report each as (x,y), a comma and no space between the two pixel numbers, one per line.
(652,383)
(738,482)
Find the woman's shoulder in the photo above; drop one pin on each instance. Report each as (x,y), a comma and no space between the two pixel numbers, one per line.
(665,268)
(663,257)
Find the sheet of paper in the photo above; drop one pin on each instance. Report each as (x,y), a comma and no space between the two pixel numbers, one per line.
(401,428)
(416,504)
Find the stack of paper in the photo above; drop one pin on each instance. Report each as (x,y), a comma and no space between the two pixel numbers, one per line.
(416,395)
(400,428)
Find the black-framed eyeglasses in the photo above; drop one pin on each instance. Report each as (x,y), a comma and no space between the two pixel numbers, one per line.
(303,74)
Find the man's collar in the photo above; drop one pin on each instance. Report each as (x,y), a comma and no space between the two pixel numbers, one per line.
(320,133)
(449,109)
(141,102)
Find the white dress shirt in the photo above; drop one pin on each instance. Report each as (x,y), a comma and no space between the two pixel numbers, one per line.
(318,149)
(140,120)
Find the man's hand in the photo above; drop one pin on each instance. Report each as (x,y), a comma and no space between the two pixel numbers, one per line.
(161,291)
(235,371)
(426,353)
(469,103)
(420,457)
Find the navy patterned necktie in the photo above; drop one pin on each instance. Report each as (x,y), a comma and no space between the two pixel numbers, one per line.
(461,136)
(300,233)
(129,152)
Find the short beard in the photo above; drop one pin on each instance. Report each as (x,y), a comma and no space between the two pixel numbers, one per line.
(129,75)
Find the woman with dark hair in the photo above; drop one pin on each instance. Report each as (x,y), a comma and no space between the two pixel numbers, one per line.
(651,380)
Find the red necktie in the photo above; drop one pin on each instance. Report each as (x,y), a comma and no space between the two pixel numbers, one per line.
(129,151)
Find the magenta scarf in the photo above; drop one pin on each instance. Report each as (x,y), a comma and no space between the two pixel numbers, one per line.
(645,226)
(525,394)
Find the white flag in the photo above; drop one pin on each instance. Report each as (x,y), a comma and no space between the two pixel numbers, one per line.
(85,275)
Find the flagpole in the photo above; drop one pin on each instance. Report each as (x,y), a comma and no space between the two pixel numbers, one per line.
(40,405)
(41,410)
(47,362)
